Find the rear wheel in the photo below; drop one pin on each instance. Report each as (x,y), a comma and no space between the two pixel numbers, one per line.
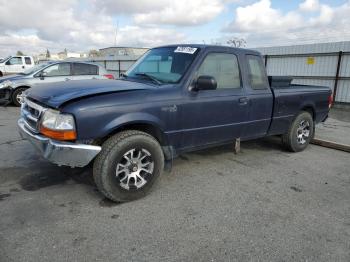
(18,96)
(128,165)
(300,132)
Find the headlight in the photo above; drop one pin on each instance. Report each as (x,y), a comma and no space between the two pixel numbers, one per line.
(58,126)
(6,83)
(54,120)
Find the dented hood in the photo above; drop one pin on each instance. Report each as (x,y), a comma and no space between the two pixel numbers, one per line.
(56,94)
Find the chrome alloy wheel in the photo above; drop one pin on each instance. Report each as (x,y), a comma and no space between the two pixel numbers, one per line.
(20,97)
(134,167)
(303,132)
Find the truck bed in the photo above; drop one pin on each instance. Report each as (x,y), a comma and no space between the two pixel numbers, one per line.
(292,98)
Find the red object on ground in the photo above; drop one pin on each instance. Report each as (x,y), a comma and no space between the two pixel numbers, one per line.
(109,76)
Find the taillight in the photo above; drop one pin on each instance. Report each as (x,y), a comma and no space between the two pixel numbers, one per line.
(109,76)
(330,101)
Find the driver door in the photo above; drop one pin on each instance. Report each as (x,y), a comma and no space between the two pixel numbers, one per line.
(216,116)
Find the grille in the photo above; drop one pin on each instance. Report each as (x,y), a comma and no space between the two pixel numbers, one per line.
(31,113)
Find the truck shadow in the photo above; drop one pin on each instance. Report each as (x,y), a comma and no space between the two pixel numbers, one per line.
(53,175)
(263,144)
(44,174)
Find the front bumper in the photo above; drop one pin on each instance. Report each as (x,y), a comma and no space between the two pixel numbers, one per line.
(60,153)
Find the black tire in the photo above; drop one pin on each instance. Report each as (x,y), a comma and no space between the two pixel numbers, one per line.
(291,140)
(1,74)
(113,152)
(15,93)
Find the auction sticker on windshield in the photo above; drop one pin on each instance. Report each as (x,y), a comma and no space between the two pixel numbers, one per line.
(185,49)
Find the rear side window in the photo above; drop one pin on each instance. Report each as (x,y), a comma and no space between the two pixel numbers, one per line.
(84,69)
(257,76)
(28,61)
(223,67)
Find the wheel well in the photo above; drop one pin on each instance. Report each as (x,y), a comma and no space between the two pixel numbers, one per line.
(1,73)
(26,87)
(144,127)
(12,92)
(310,110)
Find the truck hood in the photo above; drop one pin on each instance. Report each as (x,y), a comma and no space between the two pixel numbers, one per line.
(56,94)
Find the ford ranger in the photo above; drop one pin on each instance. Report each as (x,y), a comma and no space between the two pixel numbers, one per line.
(174,99)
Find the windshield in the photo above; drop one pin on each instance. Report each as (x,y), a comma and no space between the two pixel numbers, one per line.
(4,59)
(32,70)
(164,65)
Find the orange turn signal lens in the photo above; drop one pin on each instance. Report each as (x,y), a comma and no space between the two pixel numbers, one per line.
(58,134)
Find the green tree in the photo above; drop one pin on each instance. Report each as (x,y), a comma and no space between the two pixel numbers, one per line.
(19,53)
(94,53)
(237,42)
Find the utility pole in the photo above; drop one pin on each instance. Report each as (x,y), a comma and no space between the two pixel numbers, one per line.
(116,34)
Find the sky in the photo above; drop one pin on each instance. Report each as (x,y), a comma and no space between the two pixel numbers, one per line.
(81,25)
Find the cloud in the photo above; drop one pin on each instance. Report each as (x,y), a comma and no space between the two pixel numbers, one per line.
(65,24)
(170,12)
(80,25)
(61,21)
(261,24)
(131,6)
(149,36)
(29,44)
(178,13)
(261,16)
(310,5)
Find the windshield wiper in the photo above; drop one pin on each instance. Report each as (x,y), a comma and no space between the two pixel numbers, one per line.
(155,80)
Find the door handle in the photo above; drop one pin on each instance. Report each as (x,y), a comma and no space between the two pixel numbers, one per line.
(23,67)
(243,100)
(67,79)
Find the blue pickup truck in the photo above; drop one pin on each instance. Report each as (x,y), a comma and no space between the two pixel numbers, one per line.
(174,99)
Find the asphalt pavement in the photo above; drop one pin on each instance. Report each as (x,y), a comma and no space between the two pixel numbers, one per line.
(263,204)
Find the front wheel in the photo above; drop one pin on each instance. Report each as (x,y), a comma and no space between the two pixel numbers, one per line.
(300,132)
(128,165)
(18,96)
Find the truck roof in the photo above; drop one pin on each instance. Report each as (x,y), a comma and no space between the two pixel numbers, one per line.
(19,56)
(216,47)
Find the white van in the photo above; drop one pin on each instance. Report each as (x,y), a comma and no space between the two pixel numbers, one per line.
(15,64)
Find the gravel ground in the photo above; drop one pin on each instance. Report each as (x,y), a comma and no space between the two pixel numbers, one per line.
(264,204)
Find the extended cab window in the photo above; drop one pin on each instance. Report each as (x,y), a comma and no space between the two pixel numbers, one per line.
(57,70)
(84,69)
(223,67)
(28,61)
(14,61)
(257,76)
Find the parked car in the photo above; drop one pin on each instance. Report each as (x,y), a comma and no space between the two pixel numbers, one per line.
(174,99)
(15,64)
(12,87)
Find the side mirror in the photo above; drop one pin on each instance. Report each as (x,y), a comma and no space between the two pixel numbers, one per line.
(42,74)
(205,83)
